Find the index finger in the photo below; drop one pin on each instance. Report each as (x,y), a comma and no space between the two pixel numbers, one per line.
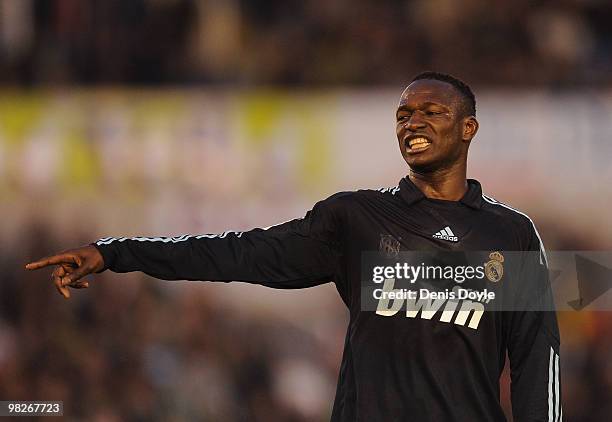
(51,260)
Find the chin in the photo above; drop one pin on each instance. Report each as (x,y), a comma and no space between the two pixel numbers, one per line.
(422,165)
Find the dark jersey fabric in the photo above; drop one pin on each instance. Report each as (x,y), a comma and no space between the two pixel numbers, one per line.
(393,368)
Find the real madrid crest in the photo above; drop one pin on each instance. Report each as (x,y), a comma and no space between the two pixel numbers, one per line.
(389,246)
(494,269)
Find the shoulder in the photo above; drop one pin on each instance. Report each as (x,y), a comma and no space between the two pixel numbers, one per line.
(521,222)
(342,206)
(351,198)
(505,211)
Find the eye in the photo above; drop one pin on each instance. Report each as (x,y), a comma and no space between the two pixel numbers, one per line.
(403,117)
(433,113)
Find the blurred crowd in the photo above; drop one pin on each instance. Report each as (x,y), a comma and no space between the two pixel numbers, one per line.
(293,42)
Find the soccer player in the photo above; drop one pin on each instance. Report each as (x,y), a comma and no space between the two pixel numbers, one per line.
(394,367)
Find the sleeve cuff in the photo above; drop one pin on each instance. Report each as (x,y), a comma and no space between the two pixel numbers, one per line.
(108,255)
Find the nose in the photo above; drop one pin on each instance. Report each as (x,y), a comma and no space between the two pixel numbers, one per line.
(416,121)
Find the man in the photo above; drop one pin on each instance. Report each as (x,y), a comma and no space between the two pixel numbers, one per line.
(393,368)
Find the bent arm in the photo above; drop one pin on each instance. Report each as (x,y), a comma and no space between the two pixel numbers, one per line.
(535,370)
(533,347)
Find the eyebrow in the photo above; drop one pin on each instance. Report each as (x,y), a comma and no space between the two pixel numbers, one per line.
(404,107)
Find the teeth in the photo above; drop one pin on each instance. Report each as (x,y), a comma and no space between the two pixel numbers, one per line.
(418,142)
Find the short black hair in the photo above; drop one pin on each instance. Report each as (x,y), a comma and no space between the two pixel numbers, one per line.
(469,102)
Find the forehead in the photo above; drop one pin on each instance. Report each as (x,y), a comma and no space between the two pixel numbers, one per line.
(430,91)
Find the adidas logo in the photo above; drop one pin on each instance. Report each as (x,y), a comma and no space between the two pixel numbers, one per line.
(446,234)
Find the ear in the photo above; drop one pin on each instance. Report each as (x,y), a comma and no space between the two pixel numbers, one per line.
(470,127)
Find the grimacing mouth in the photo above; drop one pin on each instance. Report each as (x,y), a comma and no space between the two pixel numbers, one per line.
(416,142)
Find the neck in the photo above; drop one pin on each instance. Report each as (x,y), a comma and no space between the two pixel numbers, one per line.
(449,184)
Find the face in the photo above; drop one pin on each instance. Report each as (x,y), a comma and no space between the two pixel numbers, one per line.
(432,130)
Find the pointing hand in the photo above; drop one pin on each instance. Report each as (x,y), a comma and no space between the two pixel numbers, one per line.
(71,267)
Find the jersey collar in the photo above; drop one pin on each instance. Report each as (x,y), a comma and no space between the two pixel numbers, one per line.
(411,194)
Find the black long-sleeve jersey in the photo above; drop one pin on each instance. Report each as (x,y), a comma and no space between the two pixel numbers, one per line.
(393,367)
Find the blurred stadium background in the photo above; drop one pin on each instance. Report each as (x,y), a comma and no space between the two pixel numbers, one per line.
(177,116)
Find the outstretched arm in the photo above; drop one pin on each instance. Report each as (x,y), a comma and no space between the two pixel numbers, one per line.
(296,254)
